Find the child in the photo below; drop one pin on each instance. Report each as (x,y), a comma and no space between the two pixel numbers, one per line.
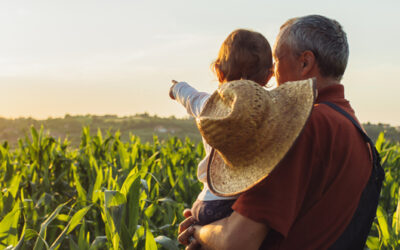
(244,54)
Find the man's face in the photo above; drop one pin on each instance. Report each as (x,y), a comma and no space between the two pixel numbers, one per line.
(287,67)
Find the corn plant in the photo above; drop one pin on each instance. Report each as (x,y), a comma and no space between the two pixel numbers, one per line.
(385,232)
(114,194)
(106,194)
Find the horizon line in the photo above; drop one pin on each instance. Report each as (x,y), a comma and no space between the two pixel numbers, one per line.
(119,116)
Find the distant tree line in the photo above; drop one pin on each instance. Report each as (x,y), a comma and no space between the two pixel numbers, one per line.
(141,125)
(391,133)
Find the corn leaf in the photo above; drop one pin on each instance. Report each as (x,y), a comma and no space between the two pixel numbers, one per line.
(166,242)
(8,226)
(81,192)
(77,218)
(150,242)
(373,243)
(22,238)
(396,218)
(43,228)
(98,243)
(383,225)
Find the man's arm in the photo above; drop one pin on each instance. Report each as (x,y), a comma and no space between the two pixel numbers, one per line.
(233,232)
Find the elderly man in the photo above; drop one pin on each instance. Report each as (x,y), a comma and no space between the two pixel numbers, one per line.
(311,200)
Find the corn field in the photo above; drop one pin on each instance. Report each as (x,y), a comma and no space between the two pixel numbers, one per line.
(109,194)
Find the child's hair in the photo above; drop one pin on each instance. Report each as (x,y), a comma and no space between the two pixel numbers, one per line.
(244,54)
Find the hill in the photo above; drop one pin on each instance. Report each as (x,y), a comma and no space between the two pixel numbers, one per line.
(70,127)
(141,125)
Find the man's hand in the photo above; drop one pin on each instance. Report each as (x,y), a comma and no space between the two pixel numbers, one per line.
(171,95)
(233,232)
(187,213)
(186,231)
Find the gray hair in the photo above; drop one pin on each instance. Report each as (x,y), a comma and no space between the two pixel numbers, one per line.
(320,35)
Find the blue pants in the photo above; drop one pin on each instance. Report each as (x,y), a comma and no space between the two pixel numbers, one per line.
(206,212)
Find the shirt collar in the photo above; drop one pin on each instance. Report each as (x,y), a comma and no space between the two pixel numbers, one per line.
(331,93)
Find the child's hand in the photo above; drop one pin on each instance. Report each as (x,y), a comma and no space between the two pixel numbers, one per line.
(171,95)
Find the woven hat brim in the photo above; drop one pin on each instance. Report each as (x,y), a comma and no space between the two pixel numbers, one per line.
(294,102)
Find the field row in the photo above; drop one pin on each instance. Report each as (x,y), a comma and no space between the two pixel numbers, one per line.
(108,194)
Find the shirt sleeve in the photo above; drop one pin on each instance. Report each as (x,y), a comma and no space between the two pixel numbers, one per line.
(276,201)
(190,98)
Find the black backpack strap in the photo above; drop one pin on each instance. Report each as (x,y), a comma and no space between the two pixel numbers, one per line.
(348,116)
(375,155)
(357,231)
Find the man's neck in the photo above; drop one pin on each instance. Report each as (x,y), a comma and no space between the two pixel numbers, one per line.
(323,82)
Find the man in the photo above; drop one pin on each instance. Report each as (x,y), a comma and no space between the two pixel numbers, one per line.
(309,199)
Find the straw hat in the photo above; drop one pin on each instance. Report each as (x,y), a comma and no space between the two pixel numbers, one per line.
(251,130)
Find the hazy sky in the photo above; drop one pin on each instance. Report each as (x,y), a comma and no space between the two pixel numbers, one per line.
(118,56)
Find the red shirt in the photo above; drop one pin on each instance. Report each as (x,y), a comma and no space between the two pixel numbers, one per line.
(310,197)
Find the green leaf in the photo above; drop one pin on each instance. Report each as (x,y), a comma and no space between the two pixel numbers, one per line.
(139,233)
(126,237)
(132,176)
(123,156)
(30,234)
(150,160)
(383,225)
(14,187)
(98,243)
(133,206)
(43,227)
(63,217)
(135,153)
(150,242)
(379,141)
(77,218)
(171,178)
(81,192)
(21,239)
(166,242)
(373,243)
(35,136)
(59,239)
(396,217)
(114,203)
(113,198)
(150,210)
(99,180)
(167,200)
(73,245)
(8,226)
(83,241)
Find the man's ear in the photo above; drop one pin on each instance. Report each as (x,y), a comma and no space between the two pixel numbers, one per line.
(308,62)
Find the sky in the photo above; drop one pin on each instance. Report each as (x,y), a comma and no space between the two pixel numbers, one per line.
(118,57)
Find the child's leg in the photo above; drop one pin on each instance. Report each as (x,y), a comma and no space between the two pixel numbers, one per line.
(207,212)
